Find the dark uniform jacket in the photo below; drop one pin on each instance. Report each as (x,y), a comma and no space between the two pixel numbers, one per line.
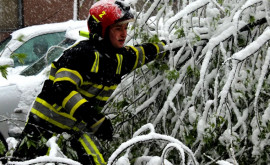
(82,80)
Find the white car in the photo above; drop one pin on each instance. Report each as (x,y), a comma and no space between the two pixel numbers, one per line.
(40,44)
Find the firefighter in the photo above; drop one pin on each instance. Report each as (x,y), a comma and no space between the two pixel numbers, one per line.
(82,80)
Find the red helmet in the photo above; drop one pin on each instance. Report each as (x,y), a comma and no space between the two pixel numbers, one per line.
(107,12)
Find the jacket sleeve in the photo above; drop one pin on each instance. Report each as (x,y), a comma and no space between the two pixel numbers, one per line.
(142,54)
(66,81)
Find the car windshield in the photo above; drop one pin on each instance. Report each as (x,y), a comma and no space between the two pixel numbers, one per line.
(4,43)
(53,53)
(35,48)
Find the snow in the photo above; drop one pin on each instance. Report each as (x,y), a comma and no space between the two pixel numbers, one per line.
(46,159)
(151,136)
(216,93)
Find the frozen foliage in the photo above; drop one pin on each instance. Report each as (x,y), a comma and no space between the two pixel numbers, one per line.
(212,94)
(208,102)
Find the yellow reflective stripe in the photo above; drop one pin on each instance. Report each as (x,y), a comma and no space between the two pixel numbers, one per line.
(104,95)
(95,18)
(91,149)
(85,93)
(62,120)
(113,87)
(36,112)
(47,105)
(137,57)
(73,101)
(157,47)
(143,54)
(140,56)
(102,98)
(95,126)
(99,86)
(72,76)
(52,72)
(120,60)
(57,107)
(90,90)
(160,50)
(80,126)
(95,66)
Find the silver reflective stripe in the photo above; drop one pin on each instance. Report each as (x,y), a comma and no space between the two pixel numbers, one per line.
(105,93)
(92,90)
(53,71)
(68,75)
(81,125)
(96,126)
(73,101)
(141,57)
(160,50)
(120,61)
(52,116)
(91,149)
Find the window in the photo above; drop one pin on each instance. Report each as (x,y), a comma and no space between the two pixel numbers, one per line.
(36,47)
(47,59)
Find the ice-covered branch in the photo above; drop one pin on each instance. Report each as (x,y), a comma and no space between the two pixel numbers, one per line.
(245,6)
(168,103)
(152,99)
(253,47)
(146,138)
(46,159)
(171,146)
(193,6)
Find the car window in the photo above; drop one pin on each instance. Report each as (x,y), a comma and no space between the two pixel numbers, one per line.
(4,43)
(36,47)
(53,53)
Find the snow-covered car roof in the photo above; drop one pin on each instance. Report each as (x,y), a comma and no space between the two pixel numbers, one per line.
(27,33)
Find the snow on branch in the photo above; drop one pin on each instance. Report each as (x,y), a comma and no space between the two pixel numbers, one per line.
(248,4)
(171,146)
(152,99)
(150,137)
(193,6)
(46,159)
(253,47)
(168,103)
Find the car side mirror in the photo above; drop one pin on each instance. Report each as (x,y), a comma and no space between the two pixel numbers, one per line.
(6,61)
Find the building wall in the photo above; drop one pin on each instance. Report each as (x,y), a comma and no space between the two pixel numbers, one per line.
(35,12)
(40,12)
(8,17)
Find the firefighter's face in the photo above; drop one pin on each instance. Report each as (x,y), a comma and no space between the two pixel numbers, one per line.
(118,34)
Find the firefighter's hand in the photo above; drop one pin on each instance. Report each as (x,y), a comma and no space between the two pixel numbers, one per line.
(105,131)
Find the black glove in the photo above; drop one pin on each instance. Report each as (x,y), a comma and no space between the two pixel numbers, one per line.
(105,131)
